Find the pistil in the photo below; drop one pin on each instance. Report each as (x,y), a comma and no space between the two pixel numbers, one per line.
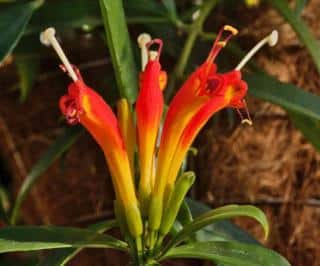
(271,40)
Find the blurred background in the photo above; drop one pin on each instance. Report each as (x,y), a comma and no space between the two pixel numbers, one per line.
(274,164)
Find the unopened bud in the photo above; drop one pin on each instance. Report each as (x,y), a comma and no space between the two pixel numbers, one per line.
(134,220)
(179,192)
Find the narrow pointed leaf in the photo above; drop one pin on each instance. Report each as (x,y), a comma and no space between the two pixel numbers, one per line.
(170,5)
(13,22)
(286,95)
(220,230)
(76,13)
(184,215)
(60,257)
(300,28)
(120,49)
(226,212)
(27,238)
(229,253)
(62,144)
(308,126)
(28,68)
(299,6)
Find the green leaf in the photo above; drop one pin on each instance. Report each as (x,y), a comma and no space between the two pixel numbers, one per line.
(225,212)
(3,213)
(300,28)
(63,14)
(143,8)
(86,13)
(120,50)
(170,5)
(299,6)
(284,94)
(13,21)
(62,256)
(184,215)
(220,230)
(28,69)
(62,144)
(228,253)
(27,238)
(308,126)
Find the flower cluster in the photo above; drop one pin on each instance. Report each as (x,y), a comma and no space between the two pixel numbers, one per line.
(148,197)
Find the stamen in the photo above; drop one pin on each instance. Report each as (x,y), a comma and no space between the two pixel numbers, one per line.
(247,120)
(48,38)
(271,40)
(219,44)
(231,29)
(142,40)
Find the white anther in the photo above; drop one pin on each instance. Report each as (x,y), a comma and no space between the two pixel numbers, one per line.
(48,38)
(142,40)
(271,40)
(246,121)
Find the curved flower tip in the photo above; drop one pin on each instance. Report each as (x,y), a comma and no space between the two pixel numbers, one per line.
(69,104)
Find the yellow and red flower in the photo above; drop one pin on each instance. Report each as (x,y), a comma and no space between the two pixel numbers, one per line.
(83,105)
(149,107)
(203,94)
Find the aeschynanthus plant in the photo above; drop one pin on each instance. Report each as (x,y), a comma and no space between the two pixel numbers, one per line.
(147,210)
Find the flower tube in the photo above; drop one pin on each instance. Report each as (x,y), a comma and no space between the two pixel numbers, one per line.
(83,105)
(230,92)
(196,92)
(149,109)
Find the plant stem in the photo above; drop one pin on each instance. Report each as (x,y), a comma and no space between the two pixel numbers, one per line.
(194,30)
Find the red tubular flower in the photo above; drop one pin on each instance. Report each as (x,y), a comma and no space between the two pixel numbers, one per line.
(149,109)
(204,93)
(83,105)
(229,92)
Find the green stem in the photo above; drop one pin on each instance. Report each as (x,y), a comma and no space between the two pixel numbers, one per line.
(194,30)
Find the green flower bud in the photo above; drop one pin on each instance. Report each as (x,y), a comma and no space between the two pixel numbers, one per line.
(155,212)
(179,192)
(134,220)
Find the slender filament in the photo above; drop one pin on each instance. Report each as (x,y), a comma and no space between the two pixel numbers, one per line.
(271,40)
(48,38)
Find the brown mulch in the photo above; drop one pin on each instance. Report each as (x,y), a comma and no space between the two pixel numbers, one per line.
(270,164)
